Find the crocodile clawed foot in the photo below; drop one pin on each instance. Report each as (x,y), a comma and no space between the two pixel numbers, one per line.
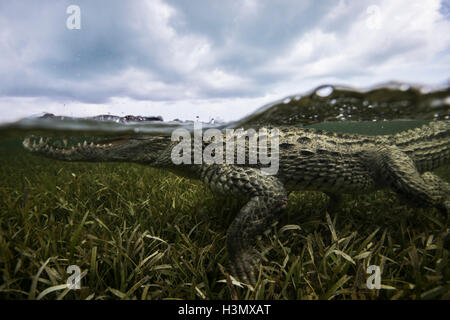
(245,266)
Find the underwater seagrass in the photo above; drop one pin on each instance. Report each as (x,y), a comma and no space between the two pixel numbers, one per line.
(308,160)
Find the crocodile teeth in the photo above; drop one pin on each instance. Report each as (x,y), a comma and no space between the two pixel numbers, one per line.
(91,145)
(84,143)
(79,145)
(41,141)
(65,142)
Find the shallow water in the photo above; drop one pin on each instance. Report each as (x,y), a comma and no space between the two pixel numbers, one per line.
(380,110)
(66,212)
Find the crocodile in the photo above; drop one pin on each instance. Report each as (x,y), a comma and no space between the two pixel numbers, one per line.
(309,159)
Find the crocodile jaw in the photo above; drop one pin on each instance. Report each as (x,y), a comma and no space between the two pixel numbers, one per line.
(140,149)
(86,151)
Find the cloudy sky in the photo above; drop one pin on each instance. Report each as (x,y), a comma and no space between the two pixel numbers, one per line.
(209,58)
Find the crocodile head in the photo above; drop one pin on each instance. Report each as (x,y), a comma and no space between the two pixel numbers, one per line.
(142,149)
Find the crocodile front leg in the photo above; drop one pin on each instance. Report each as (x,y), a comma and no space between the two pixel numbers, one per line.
(267,199)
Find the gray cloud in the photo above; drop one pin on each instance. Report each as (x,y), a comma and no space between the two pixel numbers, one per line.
(174,50)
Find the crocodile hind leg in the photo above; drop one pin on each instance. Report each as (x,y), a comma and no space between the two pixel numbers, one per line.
(267,198)
(399,171)
(440,186)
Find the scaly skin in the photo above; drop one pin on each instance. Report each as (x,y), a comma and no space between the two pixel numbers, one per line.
(308,160)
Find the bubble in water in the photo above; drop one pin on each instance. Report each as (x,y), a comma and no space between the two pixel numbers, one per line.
(324,91)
